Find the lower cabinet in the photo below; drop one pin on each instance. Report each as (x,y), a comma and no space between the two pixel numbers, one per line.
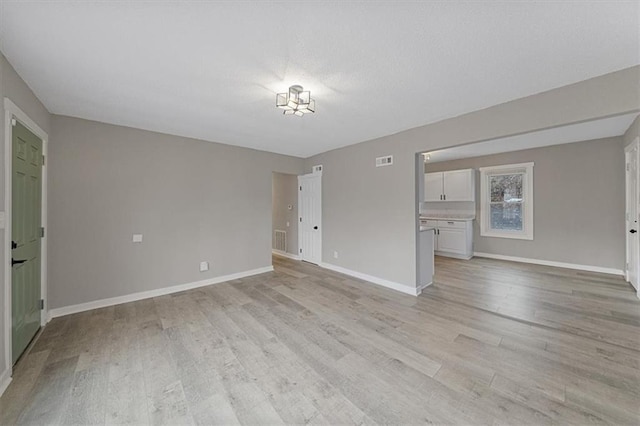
(453,238)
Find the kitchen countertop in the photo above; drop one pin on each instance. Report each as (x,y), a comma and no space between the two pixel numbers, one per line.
(463,217)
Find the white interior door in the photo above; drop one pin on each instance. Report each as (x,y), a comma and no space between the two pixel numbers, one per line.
(632,202)
(310,226)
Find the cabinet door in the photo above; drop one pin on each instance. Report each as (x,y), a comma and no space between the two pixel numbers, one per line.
(433,186)
(452,240)
(459,185)
(434,224)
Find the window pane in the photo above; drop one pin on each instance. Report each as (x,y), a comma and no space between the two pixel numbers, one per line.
(506,188)
(506,216)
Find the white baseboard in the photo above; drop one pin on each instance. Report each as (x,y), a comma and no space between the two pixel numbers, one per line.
(422,287)
(102,303)
(285,254)
(5,379)
(587,268)
(375,280)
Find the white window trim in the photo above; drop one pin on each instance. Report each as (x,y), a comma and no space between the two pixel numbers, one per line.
(485,216)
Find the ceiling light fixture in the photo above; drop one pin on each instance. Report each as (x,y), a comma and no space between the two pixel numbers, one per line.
(296,102)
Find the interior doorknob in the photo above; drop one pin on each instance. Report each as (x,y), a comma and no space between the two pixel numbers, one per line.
(633,231)
(315,227)
(17,262)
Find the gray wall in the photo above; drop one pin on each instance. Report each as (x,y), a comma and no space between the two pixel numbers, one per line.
(578,203)
(285,194)
(192,200)
(369,213)
(14,88)
(632,132)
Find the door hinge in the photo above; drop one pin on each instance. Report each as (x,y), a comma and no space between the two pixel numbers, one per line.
(300,219)
(41,304)
(42,232)
(628,166)
(300,250)
(300,188)
(13,122)
(43,160)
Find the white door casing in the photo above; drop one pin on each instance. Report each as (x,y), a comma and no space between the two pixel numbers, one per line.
(310,217)
(632,228)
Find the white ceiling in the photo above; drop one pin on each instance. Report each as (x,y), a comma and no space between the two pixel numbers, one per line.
(210,70)
(589,130)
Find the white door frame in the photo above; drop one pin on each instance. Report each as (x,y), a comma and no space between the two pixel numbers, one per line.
(627,151)
(12,111)
(315,174)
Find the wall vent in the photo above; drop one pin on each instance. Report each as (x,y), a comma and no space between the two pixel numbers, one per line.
(280,240)
(387,160)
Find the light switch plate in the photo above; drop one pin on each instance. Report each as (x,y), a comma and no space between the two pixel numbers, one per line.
(204,266)
(137,238)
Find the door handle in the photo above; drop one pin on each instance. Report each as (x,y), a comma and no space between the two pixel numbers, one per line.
(17,262)
(315,227)
(633,231)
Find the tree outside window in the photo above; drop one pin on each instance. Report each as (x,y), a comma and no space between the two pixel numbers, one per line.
(507,201)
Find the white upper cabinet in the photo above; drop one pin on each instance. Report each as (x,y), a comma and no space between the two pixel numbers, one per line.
(433,186)
(456,185)
(459,185)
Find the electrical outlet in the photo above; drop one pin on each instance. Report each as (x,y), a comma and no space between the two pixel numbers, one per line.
(137,238)
(287,224)
(335,254)
(204,266)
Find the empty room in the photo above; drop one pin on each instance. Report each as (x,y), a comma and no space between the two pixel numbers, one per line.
(336,213)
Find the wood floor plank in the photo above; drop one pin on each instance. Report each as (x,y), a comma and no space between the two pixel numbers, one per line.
(490,342)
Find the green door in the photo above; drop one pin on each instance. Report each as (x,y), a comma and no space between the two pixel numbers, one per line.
(25,236)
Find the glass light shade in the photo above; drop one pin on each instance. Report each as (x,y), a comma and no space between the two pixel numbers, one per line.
(296,101)
(281,101)
(304,98)
(308,108)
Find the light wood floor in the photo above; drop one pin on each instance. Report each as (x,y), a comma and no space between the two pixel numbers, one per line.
(490,342)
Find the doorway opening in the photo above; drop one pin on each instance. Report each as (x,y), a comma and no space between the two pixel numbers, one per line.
(284,215)
(487,200)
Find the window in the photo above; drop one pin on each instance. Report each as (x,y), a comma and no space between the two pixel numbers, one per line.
(506,201)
